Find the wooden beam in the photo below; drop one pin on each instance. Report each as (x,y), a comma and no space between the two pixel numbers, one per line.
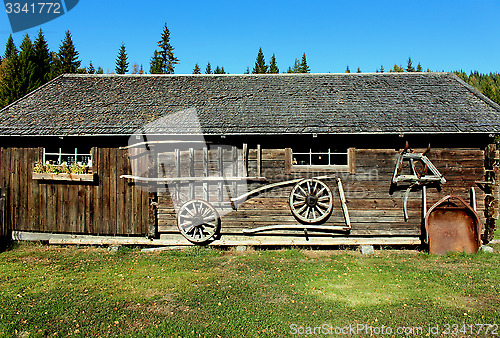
(192,179)
(160,142)
(226,240)
(274,185)
(343,203)
(296,227)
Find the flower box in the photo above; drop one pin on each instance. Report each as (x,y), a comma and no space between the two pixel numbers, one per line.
(63,177)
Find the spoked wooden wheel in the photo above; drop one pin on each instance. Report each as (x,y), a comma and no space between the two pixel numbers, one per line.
(311,201)
(198,221)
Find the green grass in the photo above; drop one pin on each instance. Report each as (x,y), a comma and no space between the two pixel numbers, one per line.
(51,290)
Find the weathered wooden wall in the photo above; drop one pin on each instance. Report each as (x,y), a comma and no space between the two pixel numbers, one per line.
(373,211)
(107,206)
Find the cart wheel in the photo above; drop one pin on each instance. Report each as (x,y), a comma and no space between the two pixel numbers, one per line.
(311,201)
(198,221)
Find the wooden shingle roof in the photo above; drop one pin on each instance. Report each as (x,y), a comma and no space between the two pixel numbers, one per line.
(252,104)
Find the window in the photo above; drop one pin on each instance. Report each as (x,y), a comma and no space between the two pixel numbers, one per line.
(322,159)
(68,158)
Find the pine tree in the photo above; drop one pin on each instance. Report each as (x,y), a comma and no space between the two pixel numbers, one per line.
(10,48)
(156,64)
(260,64)
(219,70)
(208,69)
(397,69)
(196,69)
(67,57)
(9,76)
(141,71)
(358,71)
(304,68)
(296,67)
(347,70)
(100,70)
(247,71)
(91,69)
(488,91)
(273,67)
(410,67)
(42,59)
(121,61)
(381,68)
(419,68)
(164,61)
(27,67)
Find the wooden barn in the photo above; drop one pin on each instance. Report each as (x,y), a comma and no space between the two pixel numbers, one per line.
(285,159)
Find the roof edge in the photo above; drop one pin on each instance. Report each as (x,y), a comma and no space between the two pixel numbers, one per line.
(273,134)
(31,92)
(477,93)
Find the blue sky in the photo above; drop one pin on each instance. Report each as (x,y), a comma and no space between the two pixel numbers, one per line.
(440,34)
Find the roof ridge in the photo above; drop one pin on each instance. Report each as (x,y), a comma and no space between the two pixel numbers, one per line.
(261,75)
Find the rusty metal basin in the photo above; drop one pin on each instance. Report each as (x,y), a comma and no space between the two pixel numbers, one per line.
(452,226)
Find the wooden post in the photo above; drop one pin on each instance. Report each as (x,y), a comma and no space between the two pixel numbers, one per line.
(234,184)
(424,202)
(288,161)
(206,195)
(177,159)
(352,160)
(245,159)
(220,168)
(153,194)
(191,172)
(259,161)
(473,203)
(4,224)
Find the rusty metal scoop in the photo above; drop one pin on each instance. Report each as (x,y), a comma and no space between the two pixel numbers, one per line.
(452,226)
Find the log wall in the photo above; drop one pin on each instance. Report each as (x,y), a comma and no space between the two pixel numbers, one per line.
(107,206)
(373,210)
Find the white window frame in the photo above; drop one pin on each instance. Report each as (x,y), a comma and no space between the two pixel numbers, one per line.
(320,167)
(60,154)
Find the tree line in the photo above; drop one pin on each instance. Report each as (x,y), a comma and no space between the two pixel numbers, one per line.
(33,64)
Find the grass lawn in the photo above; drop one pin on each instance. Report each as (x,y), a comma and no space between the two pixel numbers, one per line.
(61,291)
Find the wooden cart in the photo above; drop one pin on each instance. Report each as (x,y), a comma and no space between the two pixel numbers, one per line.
(198,212)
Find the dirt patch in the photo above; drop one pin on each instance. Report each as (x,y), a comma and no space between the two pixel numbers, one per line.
(165,306)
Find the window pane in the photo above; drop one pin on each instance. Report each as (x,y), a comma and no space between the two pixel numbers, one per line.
(338,159)
(320,159)
(300,159)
